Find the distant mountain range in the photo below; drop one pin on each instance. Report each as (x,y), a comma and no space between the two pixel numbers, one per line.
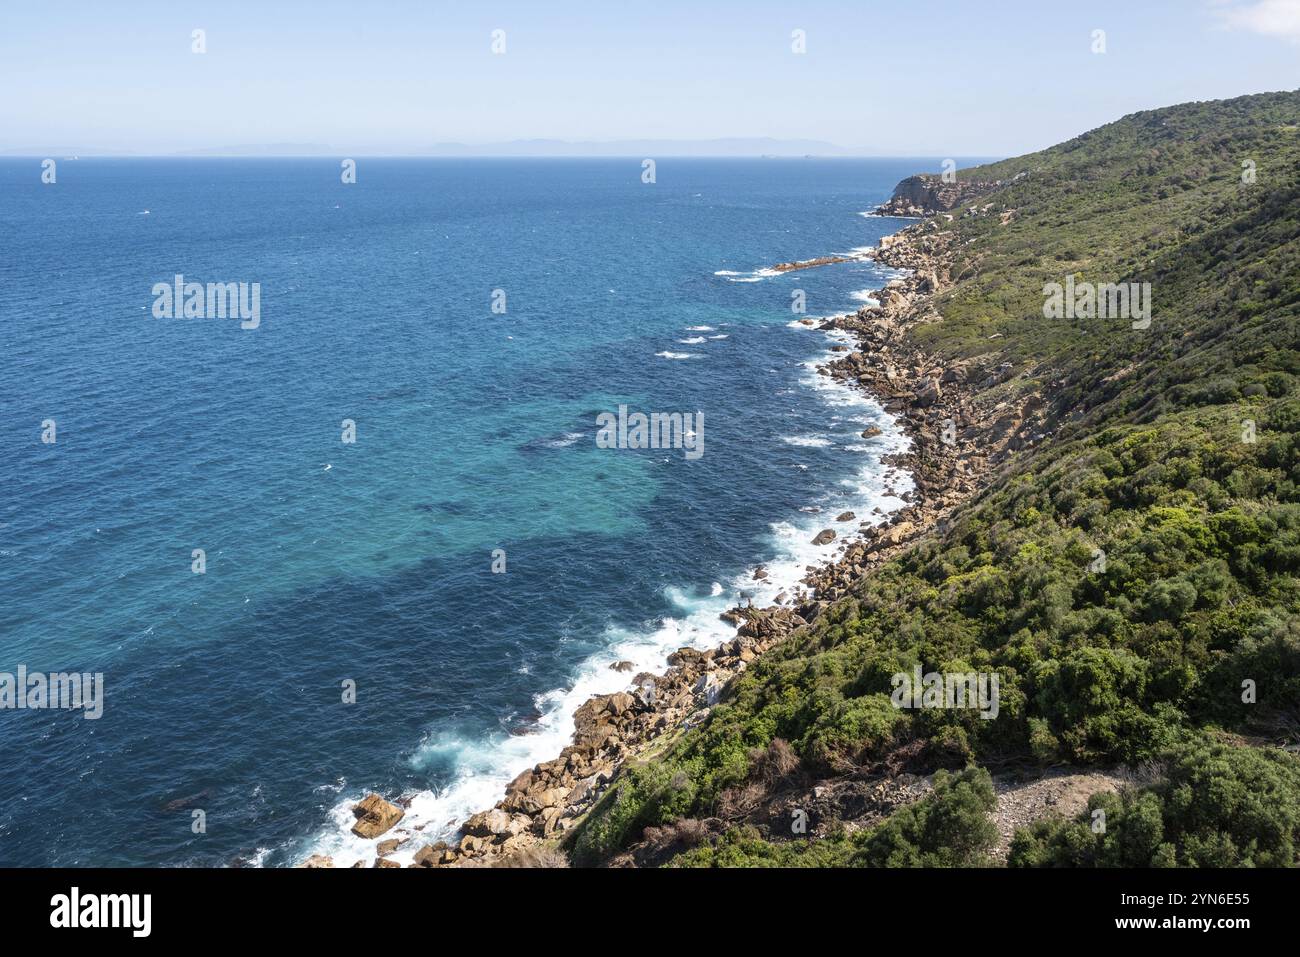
(730,146)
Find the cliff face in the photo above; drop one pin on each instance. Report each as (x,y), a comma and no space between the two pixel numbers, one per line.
(926,195)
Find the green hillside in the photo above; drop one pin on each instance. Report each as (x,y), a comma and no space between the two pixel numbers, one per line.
(1172,451)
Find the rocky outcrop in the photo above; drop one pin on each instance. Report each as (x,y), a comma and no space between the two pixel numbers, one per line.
(433,855)
(927,194)
(374,816)
(810,263)
(488,823)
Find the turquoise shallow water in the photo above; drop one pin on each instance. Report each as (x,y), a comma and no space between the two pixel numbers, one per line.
(371,562)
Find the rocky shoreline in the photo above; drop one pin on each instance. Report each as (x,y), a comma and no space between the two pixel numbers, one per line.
(960,432)
(811,263)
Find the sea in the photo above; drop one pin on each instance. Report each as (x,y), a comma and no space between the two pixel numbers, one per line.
(369,542)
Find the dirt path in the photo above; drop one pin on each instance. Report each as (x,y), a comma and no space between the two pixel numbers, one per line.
(1022,802)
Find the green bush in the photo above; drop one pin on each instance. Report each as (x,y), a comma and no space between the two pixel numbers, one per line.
(1216,806)
(1127,573)
(949,828)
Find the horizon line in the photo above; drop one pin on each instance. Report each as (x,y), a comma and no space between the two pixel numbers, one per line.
(51,154)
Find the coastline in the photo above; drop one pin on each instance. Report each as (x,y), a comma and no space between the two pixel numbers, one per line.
(954,442)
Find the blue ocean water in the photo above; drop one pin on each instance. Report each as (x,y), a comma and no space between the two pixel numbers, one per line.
(372,562)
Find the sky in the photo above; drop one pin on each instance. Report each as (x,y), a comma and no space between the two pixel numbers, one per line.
(878,77)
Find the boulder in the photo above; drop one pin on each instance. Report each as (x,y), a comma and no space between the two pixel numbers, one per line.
(846,517)
(488,823)
(619,703)
(551,797)
(521,781)
(769,625)
(546,822)
(709,687)
(928,394)
(583,790)
(645,696)
(431,854)
(374,816)
(317,861)
(693,656)
(588,719)
(894,535)
(824,537)
(384,848)
(622,666)
(871,432)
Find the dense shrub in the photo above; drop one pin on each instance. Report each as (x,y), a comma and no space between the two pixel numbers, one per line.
(949,827)
(1217,806)
(1174,454)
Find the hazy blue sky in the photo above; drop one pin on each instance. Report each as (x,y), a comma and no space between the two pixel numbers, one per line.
(901,77)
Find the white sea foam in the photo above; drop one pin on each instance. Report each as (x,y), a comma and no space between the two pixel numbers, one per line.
(864,295)
(259,856)
(756,275)
(676,355)
(484,765)
(700,328)
(806,441)
(692,341)
(722,336)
